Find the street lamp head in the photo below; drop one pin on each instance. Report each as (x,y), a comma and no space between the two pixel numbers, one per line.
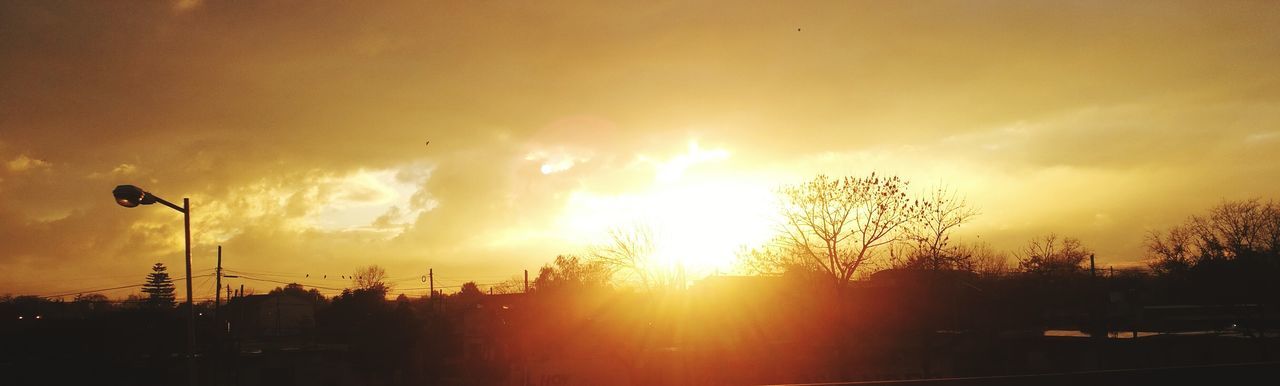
(130,196)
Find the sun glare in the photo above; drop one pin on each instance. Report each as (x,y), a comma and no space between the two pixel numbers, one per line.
(698,220)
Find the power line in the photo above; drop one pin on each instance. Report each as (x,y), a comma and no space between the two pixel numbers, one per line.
(93,290)
(225,269)
(205,281)
(285,282)
(341,277)
(143,300)
(110,289)
(449,286)
(58,279)
(264,271)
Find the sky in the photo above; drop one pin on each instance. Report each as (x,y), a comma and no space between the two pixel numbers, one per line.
(299,130)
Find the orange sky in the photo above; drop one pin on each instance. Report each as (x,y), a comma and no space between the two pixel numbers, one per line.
(298,129)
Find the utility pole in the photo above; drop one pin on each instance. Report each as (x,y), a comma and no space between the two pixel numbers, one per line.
(218,327)
(526,281)
(1096,309)
(217,287)
(1093,271)
(431,276)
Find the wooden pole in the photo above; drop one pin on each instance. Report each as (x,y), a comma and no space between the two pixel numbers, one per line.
(217,286)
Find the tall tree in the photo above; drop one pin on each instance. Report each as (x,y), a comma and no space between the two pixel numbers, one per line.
(159,287)
(837,225)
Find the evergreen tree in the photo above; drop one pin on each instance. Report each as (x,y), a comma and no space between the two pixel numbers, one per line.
(159,288)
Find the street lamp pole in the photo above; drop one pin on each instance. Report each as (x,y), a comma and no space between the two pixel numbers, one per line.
(191,305)
(130,196)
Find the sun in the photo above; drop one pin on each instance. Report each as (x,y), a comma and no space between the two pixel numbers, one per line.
(702,225)
(698,221)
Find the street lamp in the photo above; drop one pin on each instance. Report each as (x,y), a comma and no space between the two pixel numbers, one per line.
(130,196)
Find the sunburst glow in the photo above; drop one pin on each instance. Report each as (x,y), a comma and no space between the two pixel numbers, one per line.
(698,219)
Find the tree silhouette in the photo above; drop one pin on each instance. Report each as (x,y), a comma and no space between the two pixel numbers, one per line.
(513,285)
(629,257)
(470,289)
(370,278)
(836,225)
(297,290)
(985,259)
(1234,230)
(1230,254)
(92,298)
(1172,252)
(378,336)
(773,259)
(1050,254)
(159,287)
(928,235)
(569,272)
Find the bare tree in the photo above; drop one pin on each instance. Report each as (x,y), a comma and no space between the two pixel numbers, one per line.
(986,261)
(836,225)
(96,301)
(629,256)
(1238,229)
(92,298)
(1053,254)
(1232,230)
(1171,252)
(569,272)
(928,236)
(514,285)
(370,278)
(774,258)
